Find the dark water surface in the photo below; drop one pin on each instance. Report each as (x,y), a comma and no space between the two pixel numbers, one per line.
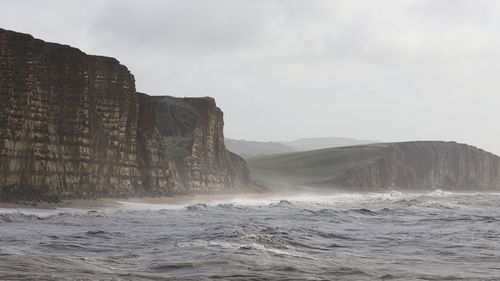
(392,236)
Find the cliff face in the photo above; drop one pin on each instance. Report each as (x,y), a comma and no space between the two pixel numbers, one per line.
(384,166)
(430,165)
(73,126)
(182,144)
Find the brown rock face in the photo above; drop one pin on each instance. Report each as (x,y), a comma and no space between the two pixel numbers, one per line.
(181,142)
(73,126)
(428,165)
(423,165)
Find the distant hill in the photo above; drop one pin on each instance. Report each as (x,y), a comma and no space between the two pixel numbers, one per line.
(424,165)
(250,149)
(325,142)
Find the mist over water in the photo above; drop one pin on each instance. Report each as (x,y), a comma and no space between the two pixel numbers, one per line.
(384,236)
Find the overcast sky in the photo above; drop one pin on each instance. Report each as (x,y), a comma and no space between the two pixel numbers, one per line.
(384,70)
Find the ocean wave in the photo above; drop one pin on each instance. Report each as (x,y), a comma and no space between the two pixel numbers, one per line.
(7,218)
(166,267)
(266,239)
(197,207)
(201,243)
(362,211)
(103,234)
(332,235)
(19,216)
(439,193)
(271,248)
(230,206)
(281,204)
(260,247)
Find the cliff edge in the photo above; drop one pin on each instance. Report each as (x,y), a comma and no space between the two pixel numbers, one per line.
(73,126)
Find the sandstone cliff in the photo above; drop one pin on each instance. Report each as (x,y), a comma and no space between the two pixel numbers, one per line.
(73,126)
(385,166)
(430,165)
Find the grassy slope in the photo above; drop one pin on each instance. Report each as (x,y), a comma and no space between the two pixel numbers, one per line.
(313,167)
(249,149)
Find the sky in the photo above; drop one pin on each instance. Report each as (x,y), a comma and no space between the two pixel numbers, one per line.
(397,70)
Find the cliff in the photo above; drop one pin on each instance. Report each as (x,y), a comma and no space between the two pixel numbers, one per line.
(386,166)
(431,165)
(73,126)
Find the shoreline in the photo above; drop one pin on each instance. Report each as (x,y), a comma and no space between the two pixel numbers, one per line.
(115,202)
(209,198)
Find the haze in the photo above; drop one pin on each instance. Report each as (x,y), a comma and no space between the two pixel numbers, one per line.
(383,70)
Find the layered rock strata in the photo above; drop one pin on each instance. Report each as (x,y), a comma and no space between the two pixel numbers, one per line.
(414,166)
(73,126)
(428,165)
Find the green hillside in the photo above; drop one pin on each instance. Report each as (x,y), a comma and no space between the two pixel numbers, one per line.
(313,167)
(249,149)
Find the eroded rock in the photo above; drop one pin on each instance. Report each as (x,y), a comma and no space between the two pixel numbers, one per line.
(73,126)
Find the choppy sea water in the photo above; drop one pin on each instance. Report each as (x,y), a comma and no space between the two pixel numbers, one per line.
(376,236)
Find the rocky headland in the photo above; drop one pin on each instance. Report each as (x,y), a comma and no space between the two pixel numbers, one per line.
(72,126)
(413,166)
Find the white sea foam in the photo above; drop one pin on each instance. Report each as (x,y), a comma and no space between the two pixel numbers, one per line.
(440,193)
(152,206)
(39,212)
(274,199)
(253,200)
(263,200)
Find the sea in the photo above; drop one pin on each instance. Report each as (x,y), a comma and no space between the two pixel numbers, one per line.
(434,235)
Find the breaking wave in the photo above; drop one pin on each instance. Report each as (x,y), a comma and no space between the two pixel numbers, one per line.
(348,236)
